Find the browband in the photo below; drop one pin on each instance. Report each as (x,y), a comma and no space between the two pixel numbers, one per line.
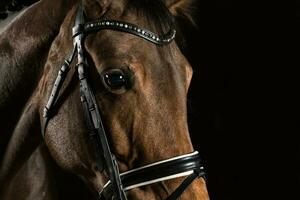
(125,27)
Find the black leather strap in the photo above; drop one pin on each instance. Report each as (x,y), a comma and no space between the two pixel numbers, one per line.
(62,73)
(163,170)
(127,28)
(178,192)
(93,117)
(92,134)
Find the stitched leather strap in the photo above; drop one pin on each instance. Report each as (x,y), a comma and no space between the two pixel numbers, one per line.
(93,118)
(185,165)
(62,73)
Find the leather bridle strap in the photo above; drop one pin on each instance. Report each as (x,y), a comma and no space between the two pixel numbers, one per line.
(126,27)
(185,165)
(178,192)
(92,114)
(62,73)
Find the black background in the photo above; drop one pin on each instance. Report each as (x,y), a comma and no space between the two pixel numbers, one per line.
(238,120)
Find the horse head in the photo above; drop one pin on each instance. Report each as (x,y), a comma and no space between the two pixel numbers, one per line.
(139,87)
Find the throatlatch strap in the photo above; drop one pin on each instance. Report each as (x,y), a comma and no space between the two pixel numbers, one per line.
(61,76)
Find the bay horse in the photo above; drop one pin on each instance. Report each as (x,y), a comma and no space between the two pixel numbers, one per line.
(112,126)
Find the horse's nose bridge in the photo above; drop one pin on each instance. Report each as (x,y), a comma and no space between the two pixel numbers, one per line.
(172,127)
(169,116)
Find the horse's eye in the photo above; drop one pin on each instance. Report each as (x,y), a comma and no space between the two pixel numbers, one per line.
(115,79)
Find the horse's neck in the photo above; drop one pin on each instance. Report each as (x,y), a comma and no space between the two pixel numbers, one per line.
(47,178)
(24,46)
(29,124)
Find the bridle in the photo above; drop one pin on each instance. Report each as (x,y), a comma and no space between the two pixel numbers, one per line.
(185,165)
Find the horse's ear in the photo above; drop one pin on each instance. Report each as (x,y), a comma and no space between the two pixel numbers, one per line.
(182,8)
(95,8)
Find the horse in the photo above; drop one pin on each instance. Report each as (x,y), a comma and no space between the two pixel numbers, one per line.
(112,126)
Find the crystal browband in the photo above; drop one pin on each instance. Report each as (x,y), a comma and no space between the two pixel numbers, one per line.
(125,27)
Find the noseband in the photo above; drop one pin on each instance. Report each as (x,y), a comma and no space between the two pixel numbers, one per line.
(185,165)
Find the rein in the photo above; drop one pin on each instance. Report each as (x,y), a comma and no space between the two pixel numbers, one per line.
(185,165)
